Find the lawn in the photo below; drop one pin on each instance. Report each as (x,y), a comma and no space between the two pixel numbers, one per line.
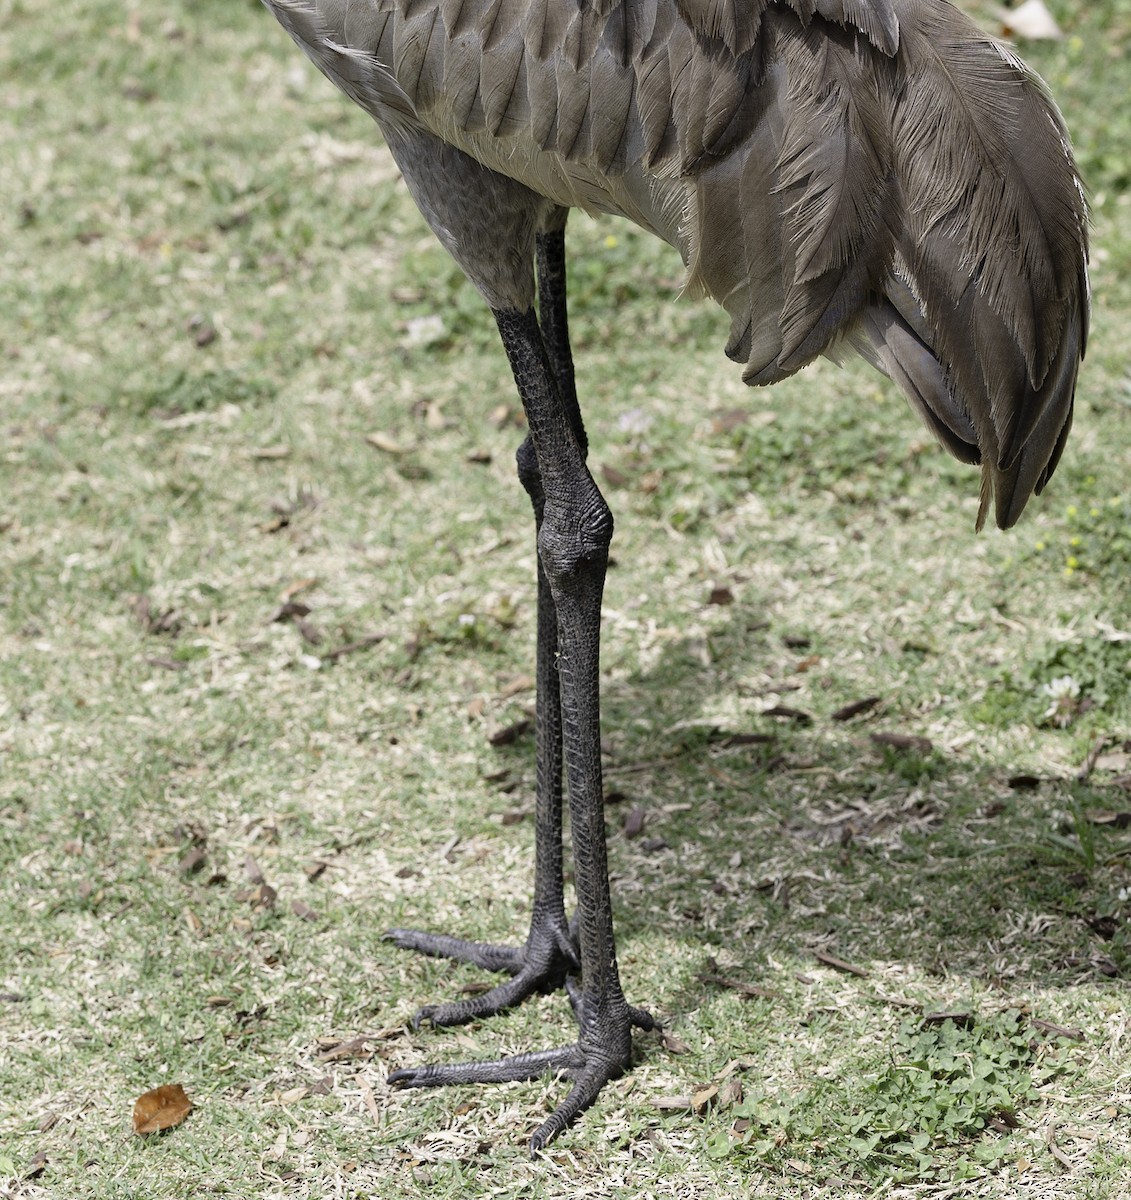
(266,646)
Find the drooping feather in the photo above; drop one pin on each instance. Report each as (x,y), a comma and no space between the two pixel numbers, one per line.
(875,174)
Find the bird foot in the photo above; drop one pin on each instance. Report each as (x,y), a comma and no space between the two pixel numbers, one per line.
(603,1052)
(542,965)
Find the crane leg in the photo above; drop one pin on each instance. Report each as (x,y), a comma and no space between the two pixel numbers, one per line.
(574,533)
(550,952)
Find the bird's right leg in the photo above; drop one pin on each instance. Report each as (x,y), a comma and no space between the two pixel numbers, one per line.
(549,955)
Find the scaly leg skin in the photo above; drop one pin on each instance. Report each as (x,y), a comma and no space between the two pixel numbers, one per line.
(573,544)
(550,953)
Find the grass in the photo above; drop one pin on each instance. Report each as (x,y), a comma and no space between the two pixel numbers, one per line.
(225,395)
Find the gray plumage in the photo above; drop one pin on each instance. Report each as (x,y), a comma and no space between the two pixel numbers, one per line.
(872,172)
(868,175)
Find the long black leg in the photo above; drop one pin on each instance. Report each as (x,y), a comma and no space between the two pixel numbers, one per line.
(549,954)
(573,543)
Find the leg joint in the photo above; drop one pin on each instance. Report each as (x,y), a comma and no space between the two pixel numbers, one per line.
(575,541)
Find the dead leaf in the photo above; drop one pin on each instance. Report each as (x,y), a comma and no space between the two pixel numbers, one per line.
(701,1099)
(613,477)
(314,869)
(720,595)
(959,1017)
(672,1103)
(192,861)
(303,911)
(730,1091)
(838,964)
(353,647)
(520,683)
(748,991)
(385,443)
(634,822)
(354,1048)
(1075,1035)
(673,1043)
(729,419)
(292,590)
(1121,820)
(162,1108)
(253,871)
(855,708)
(36,1165)
(903,741)
(270,452)
(1024,782)
(784,712)
(747,739)
(509,734)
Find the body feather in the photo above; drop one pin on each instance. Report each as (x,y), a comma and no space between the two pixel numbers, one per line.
(876,174)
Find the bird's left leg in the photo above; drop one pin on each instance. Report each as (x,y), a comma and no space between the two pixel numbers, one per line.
(549,955)
(573,543)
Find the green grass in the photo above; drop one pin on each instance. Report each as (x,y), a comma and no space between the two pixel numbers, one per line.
(211,292)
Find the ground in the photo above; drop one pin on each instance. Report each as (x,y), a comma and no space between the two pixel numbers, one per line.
(266,636)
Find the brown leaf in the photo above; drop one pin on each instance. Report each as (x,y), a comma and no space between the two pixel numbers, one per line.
(720,595)
(36,1165)
(1076,1035)
(162,1108)
(903,741)
(353,647)
(855,708)
(253,871)
(613,477)
(959,1017)
(1121,820)
(293,589)
(673,1043)
(789,714)
(354,1048)
(730,1091)
(729,419)
(314,869)
(303,911)
(520,683)
(748,991)
(634,822)
(509,734)
(747,739)
(291,609)
(192,861)
(838,964)
(701,1099)
(384,443)
(1024,782)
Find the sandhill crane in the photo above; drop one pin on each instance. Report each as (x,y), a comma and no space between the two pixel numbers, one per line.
(868,174)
